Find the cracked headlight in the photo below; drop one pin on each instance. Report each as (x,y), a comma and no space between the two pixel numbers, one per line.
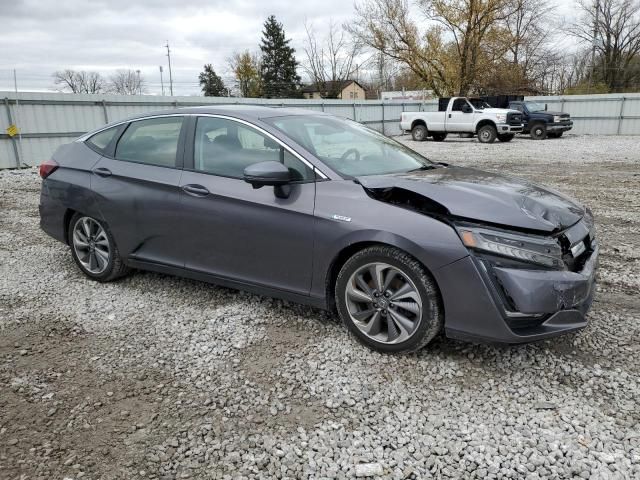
(521,247)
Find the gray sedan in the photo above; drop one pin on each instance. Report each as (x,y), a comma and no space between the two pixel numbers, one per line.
(321,210)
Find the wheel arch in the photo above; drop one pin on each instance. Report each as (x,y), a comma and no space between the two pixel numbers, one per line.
(348,251)
(418,121)
(483,122)
(68,215)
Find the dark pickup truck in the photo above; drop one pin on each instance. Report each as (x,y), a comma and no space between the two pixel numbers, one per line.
(539,122)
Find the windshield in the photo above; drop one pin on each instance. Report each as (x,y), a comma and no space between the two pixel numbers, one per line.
(479,104)
(348,147)
(535,106)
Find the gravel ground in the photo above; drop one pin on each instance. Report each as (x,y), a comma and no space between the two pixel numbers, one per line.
(160,377)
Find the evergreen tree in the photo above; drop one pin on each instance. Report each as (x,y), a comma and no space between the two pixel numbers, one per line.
(212,85)
(278,69)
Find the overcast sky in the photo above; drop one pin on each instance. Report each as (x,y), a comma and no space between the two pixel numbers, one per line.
(42,36)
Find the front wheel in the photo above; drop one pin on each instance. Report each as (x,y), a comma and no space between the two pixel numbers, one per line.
(487,134)
(94,249)
(507,137)
(419,133)
(388,301)
(538,131)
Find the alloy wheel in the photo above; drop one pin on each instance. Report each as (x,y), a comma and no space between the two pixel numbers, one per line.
(383,303)
(91,245)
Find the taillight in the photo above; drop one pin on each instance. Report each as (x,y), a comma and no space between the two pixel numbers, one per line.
(48,167)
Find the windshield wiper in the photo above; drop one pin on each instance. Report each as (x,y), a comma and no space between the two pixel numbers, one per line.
(423,167)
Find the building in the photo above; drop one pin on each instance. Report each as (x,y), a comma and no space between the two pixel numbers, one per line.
(345,90)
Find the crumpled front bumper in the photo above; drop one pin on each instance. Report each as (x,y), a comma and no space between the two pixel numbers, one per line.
(547,303)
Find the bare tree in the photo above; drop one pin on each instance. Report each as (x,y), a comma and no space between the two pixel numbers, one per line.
(79,81)
(531,34)
(613,28)
(457,48)
(127,82)
(330,60)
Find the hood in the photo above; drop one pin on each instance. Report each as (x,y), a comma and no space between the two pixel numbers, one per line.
(498,110)
(486,197)
(548,112)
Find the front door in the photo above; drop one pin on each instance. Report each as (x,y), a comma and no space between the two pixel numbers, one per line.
(137,190)
(234,231)
(457,120)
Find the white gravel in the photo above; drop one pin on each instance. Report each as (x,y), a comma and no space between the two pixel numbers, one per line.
(160,377)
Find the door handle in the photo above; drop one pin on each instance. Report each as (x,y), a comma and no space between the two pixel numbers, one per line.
(102,172)
(196,190)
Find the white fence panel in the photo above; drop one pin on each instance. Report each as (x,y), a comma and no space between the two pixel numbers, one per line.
(47,120)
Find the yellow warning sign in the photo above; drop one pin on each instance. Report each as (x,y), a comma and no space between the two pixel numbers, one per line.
(12,130)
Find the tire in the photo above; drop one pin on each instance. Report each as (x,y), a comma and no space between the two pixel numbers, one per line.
(439,137)
(405,324)
(506,137)
(94,250)
(538,131)
(419,133)
(487,134)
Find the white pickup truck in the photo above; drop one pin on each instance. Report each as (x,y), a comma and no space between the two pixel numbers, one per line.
(464,115)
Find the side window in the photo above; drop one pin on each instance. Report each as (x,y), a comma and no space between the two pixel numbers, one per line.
(224,147)
(458,104)
(153,141)
(101,140)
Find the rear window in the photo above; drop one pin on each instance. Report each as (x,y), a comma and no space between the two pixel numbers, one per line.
(153,141)
(102,139)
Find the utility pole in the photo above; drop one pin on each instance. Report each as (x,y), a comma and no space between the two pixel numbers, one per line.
(161,81)
(139,85)
(594,43)
(170,75)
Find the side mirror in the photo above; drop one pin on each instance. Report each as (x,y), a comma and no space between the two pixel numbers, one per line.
(467,109)
(270,173)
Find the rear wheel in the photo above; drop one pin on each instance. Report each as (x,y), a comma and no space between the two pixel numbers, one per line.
(506,137)
(487,134)
(439,137)
(419,133)
(94,250)
(539,131)
(388,301)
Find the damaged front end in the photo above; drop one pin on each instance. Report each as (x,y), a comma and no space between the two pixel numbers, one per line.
(517,284)
(532,277)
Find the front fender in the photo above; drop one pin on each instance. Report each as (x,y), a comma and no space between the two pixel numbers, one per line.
(346,216)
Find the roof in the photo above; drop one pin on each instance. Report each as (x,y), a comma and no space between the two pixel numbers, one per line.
(330,85)
(243,112)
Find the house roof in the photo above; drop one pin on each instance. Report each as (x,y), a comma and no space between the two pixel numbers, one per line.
(338,85)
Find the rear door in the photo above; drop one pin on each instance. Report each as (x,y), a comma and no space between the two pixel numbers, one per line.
(137,190)
(234,231)
(457,120)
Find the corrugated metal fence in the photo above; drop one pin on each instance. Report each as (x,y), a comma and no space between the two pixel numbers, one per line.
(47,120)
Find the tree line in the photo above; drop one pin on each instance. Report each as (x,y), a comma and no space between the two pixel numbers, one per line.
(445,47)
(123,82)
